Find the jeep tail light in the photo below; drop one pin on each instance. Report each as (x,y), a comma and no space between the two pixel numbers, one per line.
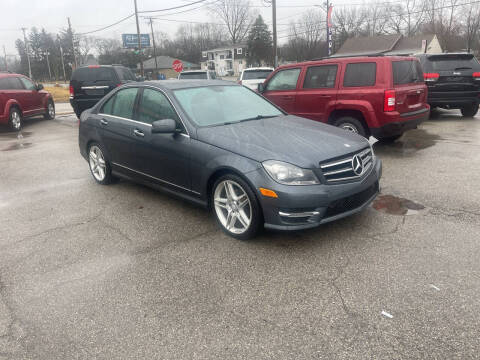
(430,76)
(476,75)
(72,93)
(389,101)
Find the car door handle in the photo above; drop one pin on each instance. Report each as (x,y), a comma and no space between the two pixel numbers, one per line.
(103,122)
(138,133)
(287,97)
(325,96)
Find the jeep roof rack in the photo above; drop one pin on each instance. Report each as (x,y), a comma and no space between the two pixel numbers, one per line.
(347,56)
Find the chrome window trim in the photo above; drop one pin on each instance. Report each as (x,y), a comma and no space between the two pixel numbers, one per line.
(153,177)
(122,118)
(93,87)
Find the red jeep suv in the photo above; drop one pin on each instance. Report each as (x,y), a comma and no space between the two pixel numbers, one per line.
(20,98)
(381,96)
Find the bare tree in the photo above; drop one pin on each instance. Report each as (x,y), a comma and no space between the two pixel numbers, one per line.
(471,25)
(236,15)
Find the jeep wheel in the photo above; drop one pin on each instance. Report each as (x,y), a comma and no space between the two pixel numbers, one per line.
(351,124)
(470,110)
(50,114)
(15,119)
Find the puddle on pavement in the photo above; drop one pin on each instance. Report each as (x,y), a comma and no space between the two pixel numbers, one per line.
(17,146)
(396,206)
(411,142)
(21,135)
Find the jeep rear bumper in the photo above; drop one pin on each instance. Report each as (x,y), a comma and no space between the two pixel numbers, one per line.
(412,120)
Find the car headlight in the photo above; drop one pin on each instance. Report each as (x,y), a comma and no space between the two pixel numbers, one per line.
(288,174)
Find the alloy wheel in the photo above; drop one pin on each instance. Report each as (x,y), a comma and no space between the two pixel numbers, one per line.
(16,120)
(51,110)
(232,206)
(97,163)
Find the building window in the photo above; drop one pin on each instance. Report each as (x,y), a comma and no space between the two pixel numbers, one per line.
(222,57)
(239,51)
(204,54)
(240,62)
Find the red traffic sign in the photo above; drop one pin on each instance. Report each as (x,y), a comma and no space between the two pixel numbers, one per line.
(177,65)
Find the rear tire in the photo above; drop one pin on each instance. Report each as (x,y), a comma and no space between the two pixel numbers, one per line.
(470,110)
(15,121)
(236,207)
(351,124)
(99,165)
(50,114)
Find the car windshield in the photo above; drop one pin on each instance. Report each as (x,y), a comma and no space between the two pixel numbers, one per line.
(223,104)
(193,75)
(256,74)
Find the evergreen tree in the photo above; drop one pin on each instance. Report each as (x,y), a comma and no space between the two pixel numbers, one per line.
(259,43)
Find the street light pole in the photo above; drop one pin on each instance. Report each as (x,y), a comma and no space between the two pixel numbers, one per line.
(48,65)
(139,41)
(73,42)
(154,48)
(28,55)
(63,65)
(274,28)
(5,54)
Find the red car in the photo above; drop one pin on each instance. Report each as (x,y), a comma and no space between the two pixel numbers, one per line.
(381,96)
(21,98)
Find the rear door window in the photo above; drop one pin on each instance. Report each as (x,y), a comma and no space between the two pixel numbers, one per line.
(319,77)
(407,72)
(360,74)
(284,80)
(10,83)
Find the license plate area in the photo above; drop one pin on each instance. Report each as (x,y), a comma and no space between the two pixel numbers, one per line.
(94,92)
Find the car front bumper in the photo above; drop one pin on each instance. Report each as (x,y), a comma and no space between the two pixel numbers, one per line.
(303,207)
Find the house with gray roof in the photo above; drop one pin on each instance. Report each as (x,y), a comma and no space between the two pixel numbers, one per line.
(395,44)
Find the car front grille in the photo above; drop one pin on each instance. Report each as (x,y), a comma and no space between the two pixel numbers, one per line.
(351,202)
(349,168)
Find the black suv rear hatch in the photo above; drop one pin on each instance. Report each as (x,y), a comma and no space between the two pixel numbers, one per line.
(452,76)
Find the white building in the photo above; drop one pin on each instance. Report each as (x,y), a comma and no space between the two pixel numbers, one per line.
(226,61)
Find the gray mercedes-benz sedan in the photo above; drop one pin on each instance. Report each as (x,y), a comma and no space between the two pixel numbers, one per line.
(227,148)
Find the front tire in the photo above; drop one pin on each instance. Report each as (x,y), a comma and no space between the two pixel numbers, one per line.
(50,114)
(15,120)
(352,124)
(99,165)
(236,207)
(470,110)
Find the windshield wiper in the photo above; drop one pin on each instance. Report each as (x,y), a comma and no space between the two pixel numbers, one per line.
(259,117)
(463,68)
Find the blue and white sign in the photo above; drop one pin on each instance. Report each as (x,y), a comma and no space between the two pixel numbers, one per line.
(131,40)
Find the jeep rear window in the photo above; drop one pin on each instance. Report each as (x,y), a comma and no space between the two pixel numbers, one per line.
(125,74)
(360,74)
(452,62)
(94,74)
(407,72)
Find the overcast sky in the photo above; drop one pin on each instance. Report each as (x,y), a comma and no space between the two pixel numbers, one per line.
(88,15)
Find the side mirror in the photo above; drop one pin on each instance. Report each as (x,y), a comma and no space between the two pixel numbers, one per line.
(39,87)
(165,126)
(261,88)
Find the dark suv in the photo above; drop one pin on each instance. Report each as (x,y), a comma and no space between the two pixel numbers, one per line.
(91,83)
(453,81)
(381,96)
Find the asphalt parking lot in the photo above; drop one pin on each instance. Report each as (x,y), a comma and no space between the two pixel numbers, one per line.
(125,272)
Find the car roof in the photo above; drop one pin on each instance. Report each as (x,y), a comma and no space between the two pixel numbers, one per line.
(9,74)
(346,59)
(186,84)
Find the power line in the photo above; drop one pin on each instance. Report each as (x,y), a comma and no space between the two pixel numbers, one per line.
(108,26)
(173,8)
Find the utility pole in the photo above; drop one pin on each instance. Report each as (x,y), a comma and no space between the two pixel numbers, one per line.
(48,65)
(63,65)
(28,55)
(73,42)
(139,40)
(154,49)
(5,54)
(274,27)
